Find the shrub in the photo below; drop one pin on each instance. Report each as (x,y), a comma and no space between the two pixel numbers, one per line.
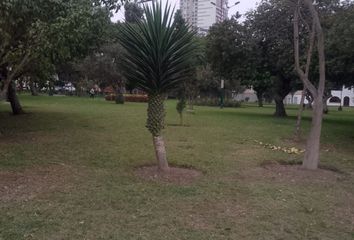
(232,104)
(120,99)
(181,105)
(110,97)
(136,98)
(128,98)
(214,102)
(211,102)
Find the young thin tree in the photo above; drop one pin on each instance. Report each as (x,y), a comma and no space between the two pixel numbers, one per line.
(157,60)
(312,154)
(181,92)
(297,132)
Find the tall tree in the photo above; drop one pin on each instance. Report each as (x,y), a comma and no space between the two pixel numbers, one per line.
(50,30)
(157,59)
(133,12)
(178,19)
(104,67)
(182,89)
(225,50)
(270,29)
(261,82)
(316,38)
(340,51)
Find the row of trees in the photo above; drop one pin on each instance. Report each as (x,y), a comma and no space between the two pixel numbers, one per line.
(282,42)
(259,51)
(38,37)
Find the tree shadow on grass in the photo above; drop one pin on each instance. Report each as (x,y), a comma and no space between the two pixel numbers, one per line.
(259,115)
(36,121)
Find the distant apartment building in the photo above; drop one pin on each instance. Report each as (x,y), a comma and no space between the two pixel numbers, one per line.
(202,14)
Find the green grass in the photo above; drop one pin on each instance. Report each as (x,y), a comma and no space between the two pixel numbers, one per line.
(102,143)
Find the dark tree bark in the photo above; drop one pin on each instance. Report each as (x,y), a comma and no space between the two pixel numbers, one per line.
(309,99)
(14,101)
(33,88)
(325,107)
(279,107)
(281,89)
(191,103)
(327,95)
(260,98)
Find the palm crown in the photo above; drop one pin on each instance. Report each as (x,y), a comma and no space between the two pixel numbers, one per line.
(157,51)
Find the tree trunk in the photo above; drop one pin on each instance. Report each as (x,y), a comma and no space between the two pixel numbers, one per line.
(14,101)
(160,151)
(327,96)
(260,99)
(279,108)
(155,123)
(51,89)
(325,107)
(312,154)
(191,103)
(181,119)
(120,97)
(299,116)
(309,100)
(33,88)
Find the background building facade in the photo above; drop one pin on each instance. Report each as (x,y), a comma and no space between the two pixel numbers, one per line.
(202,14)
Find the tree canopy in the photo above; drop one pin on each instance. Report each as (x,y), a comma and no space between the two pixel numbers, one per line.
(49,32)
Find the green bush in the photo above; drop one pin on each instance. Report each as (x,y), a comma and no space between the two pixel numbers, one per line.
(181,105)
(215,102)
(120,99)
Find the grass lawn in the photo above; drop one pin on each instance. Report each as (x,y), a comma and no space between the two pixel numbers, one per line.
(67,172)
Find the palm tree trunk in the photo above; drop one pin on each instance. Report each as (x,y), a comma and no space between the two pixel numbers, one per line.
(160,151)
(155,123)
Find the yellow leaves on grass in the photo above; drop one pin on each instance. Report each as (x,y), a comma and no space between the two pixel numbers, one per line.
(292,150)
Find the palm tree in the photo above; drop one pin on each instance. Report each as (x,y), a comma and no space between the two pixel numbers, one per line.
(157,61)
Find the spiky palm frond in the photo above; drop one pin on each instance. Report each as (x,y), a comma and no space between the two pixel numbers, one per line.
(157,52)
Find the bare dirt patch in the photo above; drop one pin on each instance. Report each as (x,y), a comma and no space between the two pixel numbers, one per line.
(291,174)
(32,182)
(176,175)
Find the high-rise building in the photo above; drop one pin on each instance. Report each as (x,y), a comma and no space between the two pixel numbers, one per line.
(202,14)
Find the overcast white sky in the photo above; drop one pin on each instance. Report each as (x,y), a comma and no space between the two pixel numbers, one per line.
(243,7)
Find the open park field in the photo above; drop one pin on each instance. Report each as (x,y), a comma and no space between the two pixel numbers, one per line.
(68,171)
